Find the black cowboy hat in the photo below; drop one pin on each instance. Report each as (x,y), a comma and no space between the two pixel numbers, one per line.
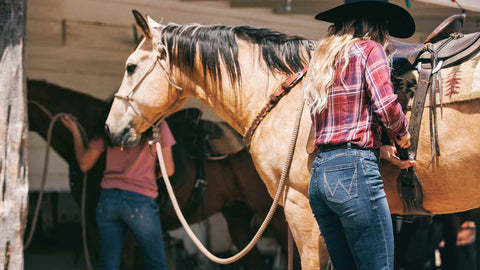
(400,22)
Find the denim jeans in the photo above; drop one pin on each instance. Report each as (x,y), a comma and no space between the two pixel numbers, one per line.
(347,198)
(118,209)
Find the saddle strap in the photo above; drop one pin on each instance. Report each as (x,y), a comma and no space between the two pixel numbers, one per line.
(416,114)
(196,200)
(408,185)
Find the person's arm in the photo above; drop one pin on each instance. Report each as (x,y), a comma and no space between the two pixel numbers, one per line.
(168,159)
(86,157)
(167,141)
(384,101)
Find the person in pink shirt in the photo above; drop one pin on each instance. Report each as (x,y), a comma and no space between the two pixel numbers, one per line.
(127,198)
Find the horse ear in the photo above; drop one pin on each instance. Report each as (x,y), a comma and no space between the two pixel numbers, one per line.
(153,24)
(142,24)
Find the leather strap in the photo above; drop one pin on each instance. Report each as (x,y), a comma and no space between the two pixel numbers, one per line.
(416,114)
(408,185)
(197,197)
(284,89)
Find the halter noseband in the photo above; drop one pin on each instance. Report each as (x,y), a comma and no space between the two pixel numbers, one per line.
(166,68)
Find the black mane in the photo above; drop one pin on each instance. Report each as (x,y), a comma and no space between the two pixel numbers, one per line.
(217,43)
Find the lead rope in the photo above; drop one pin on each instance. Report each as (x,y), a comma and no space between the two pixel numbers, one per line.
(53,120)
(280,189)
(312,47)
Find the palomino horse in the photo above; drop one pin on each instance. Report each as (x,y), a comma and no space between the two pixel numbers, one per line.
(234,188)
(234,70)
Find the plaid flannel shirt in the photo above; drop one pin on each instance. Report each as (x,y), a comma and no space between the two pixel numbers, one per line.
(360,99)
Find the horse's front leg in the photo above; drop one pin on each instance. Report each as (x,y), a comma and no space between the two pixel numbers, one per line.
(304,227)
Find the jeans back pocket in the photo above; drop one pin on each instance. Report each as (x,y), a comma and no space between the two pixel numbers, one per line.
(340,182)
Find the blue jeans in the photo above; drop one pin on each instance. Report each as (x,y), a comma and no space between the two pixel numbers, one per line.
(347,198)
(118,209)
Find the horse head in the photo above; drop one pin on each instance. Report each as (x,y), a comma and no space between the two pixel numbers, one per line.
(222,66)
(148,91)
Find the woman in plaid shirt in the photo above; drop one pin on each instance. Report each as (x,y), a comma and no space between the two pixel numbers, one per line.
(351,97)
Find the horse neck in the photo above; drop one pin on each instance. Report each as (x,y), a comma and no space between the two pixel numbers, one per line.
(44,96)
(239,104)
(61,140)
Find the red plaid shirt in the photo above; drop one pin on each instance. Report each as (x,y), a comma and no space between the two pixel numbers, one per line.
(360,99)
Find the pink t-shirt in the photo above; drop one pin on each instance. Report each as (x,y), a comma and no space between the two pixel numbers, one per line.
(133,169)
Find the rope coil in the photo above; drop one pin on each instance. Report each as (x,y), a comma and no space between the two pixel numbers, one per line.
(54,119)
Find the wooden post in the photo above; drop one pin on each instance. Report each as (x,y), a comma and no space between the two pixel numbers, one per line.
(13,133)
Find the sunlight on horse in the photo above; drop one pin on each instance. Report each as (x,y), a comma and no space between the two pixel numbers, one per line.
(233,70)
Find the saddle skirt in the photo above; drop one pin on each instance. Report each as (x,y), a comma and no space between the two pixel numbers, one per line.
(194,132)
(230,143)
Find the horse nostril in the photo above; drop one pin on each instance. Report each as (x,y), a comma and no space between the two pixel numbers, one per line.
(107,130)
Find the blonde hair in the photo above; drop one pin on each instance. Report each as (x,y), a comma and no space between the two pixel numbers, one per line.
(331,51)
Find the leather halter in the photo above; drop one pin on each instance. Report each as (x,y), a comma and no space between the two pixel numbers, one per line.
(166,68)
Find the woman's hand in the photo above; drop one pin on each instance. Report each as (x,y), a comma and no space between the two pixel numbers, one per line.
(404,141)
(68,121)
(389,153)
(86,158)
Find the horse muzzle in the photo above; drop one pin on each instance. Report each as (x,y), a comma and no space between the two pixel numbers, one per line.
(125,137)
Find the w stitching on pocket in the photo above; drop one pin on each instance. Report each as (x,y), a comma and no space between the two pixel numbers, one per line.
(340,182)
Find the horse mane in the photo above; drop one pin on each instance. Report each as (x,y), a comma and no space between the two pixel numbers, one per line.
(217,44)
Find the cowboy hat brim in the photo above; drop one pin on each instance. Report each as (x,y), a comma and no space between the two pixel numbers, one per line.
(400,22)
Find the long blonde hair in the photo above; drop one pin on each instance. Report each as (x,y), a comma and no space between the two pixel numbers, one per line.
(334,48)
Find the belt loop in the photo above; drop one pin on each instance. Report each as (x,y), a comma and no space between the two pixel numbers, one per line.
(349,145)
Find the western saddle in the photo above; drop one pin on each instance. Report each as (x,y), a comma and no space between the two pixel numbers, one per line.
(444,47)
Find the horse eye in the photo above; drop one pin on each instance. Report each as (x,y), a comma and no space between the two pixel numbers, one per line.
(131,68)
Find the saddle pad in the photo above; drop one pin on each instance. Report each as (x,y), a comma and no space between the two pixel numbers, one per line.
(460,82)
(231,142)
